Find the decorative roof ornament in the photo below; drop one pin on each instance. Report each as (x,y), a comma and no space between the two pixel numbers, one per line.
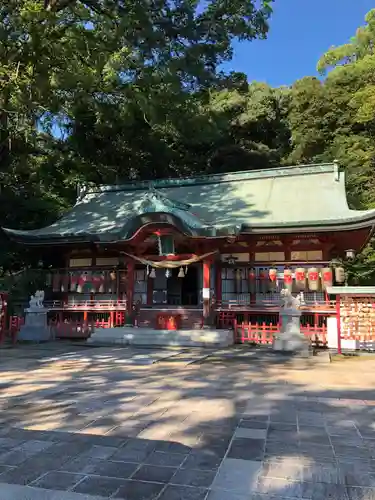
(154,195)
(153,201)
(336,170)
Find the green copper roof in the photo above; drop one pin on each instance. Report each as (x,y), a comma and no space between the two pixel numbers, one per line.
(286,199)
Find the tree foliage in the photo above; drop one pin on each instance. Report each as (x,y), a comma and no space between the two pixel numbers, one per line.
(108,90)
(93,90)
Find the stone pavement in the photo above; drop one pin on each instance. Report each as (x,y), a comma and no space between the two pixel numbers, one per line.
(82,428)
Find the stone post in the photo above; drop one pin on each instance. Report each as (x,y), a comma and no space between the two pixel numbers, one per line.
(35,327)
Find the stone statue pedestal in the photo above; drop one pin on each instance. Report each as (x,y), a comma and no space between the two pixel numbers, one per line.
(35,328)
(290,339)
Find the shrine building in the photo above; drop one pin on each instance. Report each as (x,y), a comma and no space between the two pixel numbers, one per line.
(207,250)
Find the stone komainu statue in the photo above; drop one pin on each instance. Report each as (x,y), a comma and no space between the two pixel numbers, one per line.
(288,301)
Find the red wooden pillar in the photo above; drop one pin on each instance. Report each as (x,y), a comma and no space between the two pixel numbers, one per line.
(130,293)
(338,319)
(206,292)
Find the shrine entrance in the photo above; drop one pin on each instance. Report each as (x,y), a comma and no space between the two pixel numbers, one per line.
(183,291)
(190,287)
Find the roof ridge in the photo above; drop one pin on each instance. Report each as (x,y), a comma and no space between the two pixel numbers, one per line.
(242,175)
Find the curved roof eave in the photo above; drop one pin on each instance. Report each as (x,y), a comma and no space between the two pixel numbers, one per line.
(21,237)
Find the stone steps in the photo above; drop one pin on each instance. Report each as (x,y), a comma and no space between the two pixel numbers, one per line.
(149,337)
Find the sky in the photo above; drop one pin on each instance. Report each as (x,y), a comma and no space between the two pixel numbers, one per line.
(300,32)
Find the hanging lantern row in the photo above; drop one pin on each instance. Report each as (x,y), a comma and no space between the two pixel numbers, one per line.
(313,277)
(83,282)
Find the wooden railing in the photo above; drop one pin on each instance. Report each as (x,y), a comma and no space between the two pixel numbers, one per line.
(263,333)
(86,304)
(275,305)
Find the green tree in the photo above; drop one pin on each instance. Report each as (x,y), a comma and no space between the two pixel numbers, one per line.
(120,74)
(308,120)
(334,118)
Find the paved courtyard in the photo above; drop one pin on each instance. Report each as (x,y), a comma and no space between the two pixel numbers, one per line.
(97,423)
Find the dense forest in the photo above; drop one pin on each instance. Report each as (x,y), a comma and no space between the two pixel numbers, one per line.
(103,91)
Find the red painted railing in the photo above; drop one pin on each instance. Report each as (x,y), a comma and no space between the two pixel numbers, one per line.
(317,334)
(258,333)
(263,333)
(70,324)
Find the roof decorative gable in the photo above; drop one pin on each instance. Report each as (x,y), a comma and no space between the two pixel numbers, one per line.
(154,201)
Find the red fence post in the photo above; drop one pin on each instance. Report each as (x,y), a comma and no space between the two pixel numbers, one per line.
(338,320)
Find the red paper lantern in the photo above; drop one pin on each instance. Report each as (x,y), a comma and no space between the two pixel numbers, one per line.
(252,281)
(313,277)
(300,278)
(82,280)
(73,282)
(272,282)
(327,277)
(96,282)
(101,284)
(65,283)
(263,281)
(340,274)
(288,279)
(272,273)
